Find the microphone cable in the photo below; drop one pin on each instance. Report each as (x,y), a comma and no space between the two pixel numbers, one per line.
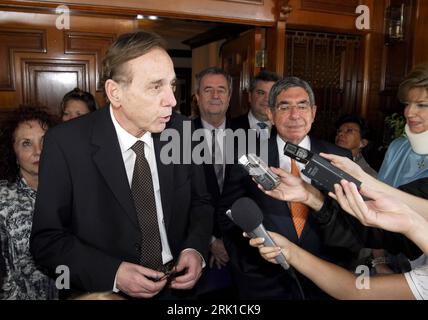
(293,275)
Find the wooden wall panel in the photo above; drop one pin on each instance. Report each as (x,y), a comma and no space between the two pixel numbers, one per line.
(46,81)
(13,41)
(325,14)
(40,46)
(420,44)
(89,43)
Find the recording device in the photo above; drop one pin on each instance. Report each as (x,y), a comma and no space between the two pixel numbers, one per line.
(247,215)
(259,171)
(317,168)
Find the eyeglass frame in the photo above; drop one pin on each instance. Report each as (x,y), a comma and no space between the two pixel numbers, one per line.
(307,106)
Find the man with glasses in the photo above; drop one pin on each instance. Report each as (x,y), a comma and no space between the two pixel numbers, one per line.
(292,111)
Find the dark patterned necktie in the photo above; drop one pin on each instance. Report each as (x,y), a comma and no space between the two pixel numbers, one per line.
(145,205)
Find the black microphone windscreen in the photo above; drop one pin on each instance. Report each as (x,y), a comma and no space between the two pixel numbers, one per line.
(246,214)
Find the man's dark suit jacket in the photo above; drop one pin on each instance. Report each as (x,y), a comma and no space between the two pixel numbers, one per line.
(242,122)
(85,216)
(258,279)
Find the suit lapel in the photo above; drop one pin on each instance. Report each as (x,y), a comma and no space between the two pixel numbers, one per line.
(108,158)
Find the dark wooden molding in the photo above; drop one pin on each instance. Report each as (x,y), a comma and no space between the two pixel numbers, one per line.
(258,2)
(344,7)
(227,31)
(177,53)
(13,41)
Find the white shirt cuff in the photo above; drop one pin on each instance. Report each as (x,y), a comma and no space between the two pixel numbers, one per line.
(202,258)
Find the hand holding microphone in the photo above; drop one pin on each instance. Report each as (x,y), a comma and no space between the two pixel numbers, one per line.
(247,215)
(269,253)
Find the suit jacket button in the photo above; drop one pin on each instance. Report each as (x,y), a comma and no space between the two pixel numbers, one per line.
(137,247)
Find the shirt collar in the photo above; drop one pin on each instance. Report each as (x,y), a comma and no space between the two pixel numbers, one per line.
(210,127)
(127,140)
(253,121)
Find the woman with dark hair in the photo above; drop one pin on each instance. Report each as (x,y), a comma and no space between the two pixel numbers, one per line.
(352,134)
(76,103)
(21,140)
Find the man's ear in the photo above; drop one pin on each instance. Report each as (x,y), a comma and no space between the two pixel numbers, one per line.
(114,92)
(363,143)
(314,111)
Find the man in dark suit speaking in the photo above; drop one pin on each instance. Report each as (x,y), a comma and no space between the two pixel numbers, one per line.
(108,207)
(292,111)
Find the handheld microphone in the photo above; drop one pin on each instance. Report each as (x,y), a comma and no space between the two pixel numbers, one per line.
(247,215)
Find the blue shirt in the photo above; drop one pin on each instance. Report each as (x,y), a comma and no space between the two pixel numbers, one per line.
(402,165)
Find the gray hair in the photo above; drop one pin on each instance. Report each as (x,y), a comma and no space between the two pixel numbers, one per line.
(213,70)
(287,83)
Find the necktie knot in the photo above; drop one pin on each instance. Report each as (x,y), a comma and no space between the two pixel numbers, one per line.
(262,125)
(138,148)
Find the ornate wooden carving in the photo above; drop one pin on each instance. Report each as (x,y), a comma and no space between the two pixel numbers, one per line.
(17,40)
(45,81)
(89,43)
(284,10)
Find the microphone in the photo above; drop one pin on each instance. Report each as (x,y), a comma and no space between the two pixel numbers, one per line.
(247,215)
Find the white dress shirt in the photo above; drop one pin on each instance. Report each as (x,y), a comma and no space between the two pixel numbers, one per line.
(285,161)
(219,137)
(126,141)
(263,134)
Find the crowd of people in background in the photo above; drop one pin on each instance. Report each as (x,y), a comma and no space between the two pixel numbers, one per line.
(93,194)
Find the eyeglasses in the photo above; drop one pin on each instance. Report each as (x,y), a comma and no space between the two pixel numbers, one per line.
(301,107)
(347,131)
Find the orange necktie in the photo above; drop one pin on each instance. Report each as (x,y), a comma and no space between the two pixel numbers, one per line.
(299,211)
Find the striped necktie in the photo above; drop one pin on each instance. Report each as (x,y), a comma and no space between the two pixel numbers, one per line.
(299,211)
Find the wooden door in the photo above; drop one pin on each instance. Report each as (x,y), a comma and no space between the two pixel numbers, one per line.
(45,81)
(238,58)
